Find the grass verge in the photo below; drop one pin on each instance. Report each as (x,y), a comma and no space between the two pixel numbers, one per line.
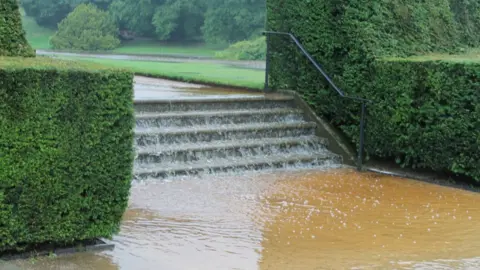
(151,47)
(205,73)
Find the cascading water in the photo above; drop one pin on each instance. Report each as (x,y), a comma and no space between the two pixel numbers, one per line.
(228,134)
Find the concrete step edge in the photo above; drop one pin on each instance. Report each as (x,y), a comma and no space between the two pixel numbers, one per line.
(226,128)
(229,144)
(236,164)
(207,99)
(142,116)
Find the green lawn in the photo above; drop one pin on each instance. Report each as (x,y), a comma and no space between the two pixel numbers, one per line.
(37,36)
(195,72)
(156,48)
(199,72)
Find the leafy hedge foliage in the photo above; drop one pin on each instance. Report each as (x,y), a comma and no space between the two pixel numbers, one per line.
(245,50)
(12,36)
(87,28)
(348,37)
(66,138)
(426,114)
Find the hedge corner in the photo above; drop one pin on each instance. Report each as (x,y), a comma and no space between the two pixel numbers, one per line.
(12,36)
(66,148)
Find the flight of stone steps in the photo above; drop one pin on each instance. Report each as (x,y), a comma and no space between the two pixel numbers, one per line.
(229,134)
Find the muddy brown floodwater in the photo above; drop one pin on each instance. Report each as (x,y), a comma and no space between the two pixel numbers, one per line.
(335,219)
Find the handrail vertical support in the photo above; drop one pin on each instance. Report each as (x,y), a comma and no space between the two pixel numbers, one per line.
(362,137)
(330,81)
(267,64)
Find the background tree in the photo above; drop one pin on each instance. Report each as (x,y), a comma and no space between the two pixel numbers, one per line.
(135,15)
(86,28)
(213,21)
(50,12)
(180,20)
(47,12)
(228,21)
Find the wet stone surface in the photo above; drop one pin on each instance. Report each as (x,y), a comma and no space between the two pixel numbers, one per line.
(219,123)
(151,88)
(307,219)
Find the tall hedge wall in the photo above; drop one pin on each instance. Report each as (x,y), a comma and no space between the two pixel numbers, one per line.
(427,114)
(349,38)
(12,35)
(66,156)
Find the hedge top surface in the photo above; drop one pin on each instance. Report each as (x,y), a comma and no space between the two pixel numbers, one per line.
(53,64)
(460,58)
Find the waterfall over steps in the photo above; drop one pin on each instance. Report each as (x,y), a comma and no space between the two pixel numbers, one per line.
(229,134)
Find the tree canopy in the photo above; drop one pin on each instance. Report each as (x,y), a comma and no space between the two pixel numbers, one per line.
(86,28)
(212,21)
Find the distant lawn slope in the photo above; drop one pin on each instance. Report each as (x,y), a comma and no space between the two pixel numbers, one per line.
(157,48)
(37,36)
(195,72)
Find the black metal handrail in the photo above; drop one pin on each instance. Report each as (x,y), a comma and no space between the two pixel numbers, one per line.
(332,84)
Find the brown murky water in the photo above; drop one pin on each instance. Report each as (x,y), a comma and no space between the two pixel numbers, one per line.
(337,219)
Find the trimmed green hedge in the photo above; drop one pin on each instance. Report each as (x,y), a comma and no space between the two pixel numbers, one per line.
(426,114)
(66,151)
(349,37)
(12,35)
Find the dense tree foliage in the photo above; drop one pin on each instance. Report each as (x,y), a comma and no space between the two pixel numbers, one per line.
(134,15)
(179,20)
(86,28)
(227,21)
(213,21)
(50,12)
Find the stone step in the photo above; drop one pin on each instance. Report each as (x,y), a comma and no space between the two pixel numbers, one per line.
(213,104)
(177,153)
(203,118)
(250,164)
(153,137)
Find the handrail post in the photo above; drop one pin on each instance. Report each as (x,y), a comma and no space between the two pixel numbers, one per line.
(362,136)
(332,84)
(267,64)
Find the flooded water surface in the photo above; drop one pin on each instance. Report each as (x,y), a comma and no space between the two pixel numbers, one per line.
(335,219)
(152,88)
